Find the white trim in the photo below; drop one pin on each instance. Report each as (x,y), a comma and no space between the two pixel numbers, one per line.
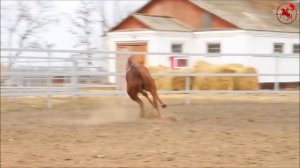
(210,33)
(229,33)
(149,34)
(131,42)
(198,54)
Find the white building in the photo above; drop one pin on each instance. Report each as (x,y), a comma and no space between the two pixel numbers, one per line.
(218,27)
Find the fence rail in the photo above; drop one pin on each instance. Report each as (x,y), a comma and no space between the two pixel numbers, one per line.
(147,53)
(88,73)
(73,72)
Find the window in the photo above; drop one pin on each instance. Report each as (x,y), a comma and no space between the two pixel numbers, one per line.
(179,62)
(213,48)
(278,48)
(296,48)
(176,48)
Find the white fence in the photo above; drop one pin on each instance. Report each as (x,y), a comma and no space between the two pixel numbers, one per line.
(32,73)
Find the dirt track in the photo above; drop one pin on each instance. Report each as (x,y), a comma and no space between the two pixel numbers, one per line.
(210,133)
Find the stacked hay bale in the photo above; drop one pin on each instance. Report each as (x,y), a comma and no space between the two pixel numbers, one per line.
(162,82)
(246,82)
(234,66)
(178,82)
(202,65)
(168,82)
(224,82)
(212,82)
(207,82)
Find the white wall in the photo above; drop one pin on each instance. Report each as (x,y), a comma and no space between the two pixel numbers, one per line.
(163,45)
(232,42)
(262,43)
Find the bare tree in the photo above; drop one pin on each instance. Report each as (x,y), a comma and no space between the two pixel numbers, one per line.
(24,22)
(92,22)
(82,25)
(103,21)
(84,28)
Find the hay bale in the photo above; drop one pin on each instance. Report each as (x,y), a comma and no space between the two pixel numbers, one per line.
(162,82)
(224,82)
(212,82)
(168,82)
(207,82)
(234,66)
(178,82)
(246,82)
(158,69)
(201,65)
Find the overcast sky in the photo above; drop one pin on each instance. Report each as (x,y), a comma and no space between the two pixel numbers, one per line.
(58,34)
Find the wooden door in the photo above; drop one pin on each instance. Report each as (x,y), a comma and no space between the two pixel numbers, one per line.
(121,59)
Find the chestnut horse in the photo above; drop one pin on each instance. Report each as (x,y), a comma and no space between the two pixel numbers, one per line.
(139,80)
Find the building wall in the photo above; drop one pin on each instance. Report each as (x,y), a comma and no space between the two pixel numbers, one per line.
(262,43)
(235,42)
(254,42)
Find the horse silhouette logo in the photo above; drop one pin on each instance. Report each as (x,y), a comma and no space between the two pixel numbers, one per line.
(286,13)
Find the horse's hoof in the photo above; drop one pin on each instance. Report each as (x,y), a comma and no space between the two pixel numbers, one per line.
(163,105)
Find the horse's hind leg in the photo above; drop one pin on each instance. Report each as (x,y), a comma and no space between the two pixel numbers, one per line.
(157,108)
(162,104)
(140,102)
(144,93)
(155,103)
(155,96)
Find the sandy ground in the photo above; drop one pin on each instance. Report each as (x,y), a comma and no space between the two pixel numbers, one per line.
(228,131)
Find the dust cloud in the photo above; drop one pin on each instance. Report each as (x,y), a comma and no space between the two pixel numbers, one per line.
(112,112)
(120,110)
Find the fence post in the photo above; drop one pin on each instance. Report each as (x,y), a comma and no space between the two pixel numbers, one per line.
(187,89)
(49,80)
(74,79)
(276,81)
